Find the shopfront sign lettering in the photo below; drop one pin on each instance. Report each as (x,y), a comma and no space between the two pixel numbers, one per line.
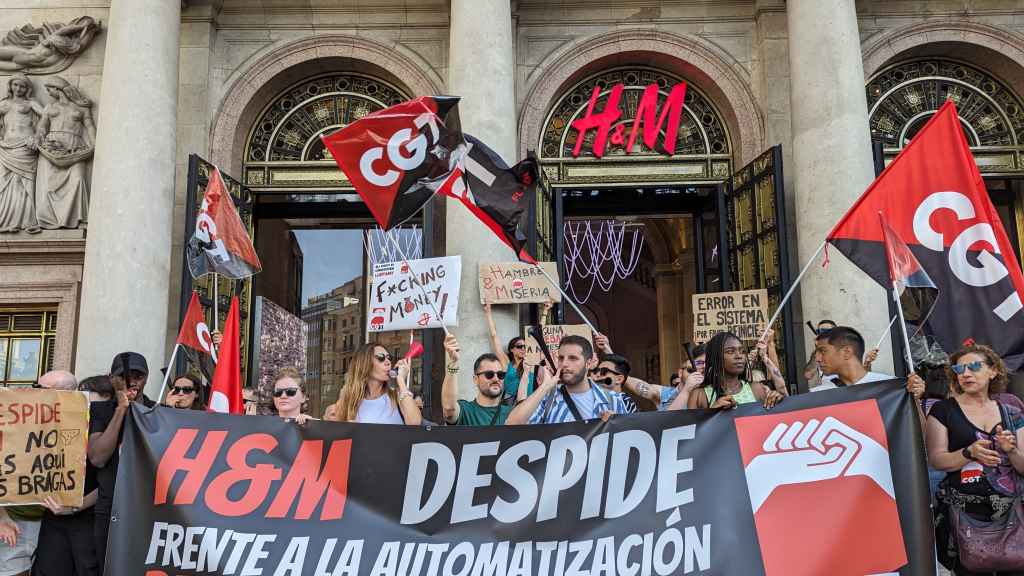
(654,120)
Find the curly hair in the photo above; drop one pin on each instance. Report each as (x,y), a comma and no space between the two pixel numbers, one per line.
(997,384)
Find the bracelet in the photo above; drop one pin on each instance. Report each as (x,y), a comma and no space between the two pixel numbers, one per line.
(405,394)
(452,368)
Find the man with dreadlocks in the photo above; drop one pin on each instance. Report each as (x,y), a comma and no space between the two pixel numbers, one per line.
(725,364)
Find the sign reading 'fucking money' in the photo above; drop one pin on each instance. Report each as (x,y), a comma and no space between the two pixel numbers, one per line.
(693,492)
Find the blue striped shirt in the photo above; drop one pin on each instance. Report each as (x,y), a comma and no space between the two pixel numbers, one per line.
(554,410)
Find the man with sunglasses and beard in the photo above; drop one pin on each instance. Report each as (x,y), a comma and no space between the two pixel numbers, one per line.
(486,409)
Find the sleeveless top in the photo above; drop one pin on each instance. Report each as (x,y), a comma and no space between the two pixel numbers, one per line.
(744,396)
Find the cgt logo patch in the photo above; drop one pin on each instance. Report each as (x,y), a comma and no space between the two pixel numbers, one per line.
(808,473)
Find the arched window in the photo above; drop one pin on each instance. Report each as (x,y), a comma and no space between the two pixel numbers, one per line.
(284,150)
(904,96)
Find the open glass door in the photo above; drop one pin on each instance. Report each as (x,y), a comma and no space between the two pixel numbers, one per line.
(752,224)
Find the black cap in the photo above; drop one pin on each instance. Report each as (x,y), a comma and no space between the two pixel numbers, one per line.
(134,360)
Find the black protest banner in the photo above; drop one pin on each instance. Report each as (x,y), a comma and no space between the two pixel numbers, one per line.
(827,483)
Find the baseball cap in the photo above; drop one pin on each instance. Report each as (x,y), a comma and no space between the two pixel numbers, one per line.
(135,361)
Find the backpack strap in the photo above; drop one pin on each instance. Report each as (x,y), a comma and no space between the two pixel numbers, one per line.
(570,403)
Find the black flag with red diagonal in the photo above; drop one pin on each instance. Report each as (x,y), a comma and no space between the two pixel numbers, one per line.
(933,196)
(918,294)
(497,194)
(398,158)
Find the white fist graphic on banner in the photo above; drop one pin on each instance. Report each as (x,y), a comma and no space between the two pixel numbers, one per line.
(813,451)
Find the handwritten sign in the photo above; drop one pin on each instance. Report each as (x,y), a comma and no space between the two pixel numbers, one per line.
(404,297)
(744,313)
(553,334)
(43,436)
(517,283)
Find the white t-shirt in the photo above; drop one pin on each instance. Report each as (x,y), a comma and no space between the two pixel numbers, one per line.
(585,403)
(829,382)
(378,411)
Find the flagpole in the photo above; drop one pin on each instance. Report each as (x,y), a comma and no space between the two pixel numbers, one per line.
(903,327)
(886,333)
(167,375)
(412,274)
(789,293)
(566,298)
(216,314)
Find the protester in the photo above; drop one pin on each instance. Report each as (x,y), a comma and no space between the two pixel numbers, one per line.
(184,393)
(21,526)
(128,374)
(812,372)
(975,439)
(723,386)
(513,357)
(692,376)
(566,394)
(486,409)
(67,546)
(366,396)
(766,357)
(839,353)
(612,373)
(290,396)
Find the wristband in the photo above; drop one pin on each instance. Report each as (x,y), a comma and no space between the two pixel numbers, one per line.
(452,368)
(405,394)
(966,452)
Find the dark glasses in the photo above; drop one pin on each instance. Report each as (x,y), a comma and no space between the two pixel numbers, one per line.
(382,356)
(278,393)
(180,390)
(489,374)
(605,371)
(972,366)
(519,346)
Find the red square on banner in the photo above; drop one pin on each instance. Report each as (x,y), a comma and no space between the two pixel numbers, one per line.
(821,490)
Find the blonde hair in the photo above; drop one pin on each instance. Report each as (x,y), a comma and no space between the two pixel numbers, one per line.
(354,390)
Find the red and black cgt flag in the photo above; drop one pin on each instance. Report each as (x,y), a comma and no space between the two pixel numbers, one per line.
(496,194)
(220,243)
(933,196)
(399,157)
(918,294)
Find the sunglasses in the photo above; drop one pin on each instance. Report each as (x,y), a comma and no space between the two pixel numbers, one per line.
(605,371)
(180,390)
(519,346)
(490,374)
(280,392)
(382,356)
(975,367)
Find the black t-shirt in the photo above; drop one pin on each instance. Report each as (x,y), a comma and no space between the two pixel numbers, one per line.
(100,415)
(960,434)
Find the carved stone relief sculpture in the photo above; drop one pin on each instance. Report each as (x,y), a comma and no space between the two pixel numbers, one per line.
(44,156)
(47,49)
(19,117)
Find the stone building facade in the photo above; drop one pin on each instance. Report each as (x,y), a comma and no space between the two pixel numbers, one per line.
(249,85)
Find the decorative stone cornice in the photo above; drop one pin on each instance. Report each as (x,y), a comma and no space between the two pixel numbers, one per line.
(880,48)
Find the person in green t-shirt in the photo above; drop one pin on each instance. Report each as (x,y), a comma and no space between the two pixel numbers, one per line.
(484,410)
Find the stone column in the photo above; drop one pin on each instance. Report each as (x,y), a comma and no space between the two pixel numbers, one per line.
(832,161)
(127,254)
(481,70)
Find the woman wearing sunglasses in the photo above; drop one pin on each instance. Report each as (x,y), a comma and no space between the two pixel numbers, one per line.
(289,396)
(366,396)
(184,393)
(975,439)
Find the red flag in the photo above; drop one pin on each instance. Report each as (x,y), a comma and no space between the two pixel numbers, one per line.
(918,294)
(220,243)
(933,196)
(194,332)
(226,389)
(398,158)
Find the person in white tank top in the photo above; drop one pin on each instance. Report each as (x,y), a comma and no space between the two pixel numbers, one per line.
(367,397)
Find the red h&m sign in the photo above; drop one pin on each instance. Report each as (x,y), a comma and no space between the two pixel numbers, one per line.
(646,111)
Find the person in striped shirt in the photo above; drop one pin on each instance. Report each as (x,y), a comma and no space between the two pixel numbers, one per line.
(570,396)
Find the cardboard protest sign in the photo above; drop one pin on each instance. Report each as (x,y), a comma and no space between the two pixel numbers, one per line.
(43,436)
(517,283)
(743,313)
(553,334)
(397,301)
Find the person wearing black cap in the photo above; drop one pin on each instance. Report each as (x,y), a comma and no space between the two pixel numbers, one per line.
(128,374)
